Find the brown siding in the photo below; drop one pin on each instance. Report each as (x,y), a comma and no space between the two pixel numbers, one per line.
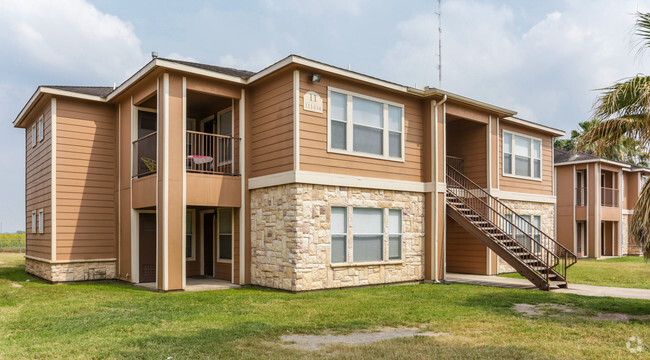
(467,140)
(632,188)
(271,119)
(544,187)
(565,205)
(465,254)
(313,135)
(85,175)
(38,181)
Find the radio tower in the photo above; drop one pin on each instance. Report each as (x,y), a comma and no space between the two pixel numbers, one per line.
(439,13)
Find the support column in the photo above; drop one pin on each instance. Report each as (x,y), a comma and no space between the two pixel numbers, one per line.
(171,163)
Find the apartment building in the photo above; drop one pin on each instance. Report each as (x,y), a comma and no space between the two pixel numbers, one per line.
(596,200)
(301,176)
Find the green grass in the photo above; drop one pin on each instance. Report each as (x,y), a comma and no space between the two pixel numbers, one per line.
(105,319)
(626,272)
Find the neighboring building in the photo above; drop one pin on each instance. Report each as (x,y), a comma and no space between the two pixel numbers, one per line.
(302,176)
(596,200)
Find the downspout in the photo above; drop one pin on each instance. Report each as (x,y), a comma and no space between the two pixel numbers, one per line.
(434,248)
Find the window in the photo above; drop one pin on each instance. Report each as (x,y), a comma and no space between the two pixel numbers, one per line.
(365,126)
(33,222)
(522,156)
(394,234)
(189,235)
(225,235)
(523,228)
(339,233)
(368,230)
(370,240)
(33,135)
(40,221)
(40,128)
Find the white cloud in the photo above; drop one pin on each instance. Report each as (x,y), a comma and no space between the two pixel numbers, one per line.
(545,71)
(177,56)
(70,36)
(253,61)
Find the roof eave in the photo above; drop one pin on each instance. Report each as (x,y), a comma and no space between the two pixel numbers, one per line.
(503,112)
(548,129)
(42,90)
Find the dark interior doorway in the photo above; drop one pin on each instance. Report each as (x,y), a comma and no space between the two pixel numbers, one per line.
(208,244)
(147,247)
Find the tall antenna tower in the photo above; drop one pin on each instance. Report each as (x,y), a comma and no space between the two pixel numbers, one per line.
(439,13)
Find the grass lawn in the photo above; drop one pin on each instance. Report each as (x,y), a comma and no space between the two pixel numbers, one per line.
(115,320)
(627,272)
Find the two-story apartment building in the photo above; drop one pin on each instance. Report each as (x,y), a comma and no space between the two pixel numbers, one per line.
(302,176)
(596,200)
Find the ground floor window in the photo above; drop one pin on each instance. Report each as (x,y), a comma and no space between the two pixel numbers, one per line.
(524,230)
(376,234)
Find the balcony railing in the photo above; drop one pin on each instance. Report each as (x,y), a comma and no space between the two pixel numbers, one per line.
(608,196)
(145,153)
(581,196)
(211,153)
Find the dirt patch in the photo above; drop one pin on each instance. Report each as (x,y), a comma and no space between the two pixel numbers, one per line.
(318,342)
(16,285)
(558,310)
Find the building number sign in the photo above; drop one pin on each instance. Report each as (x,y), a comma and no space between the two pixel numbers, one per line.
(313,102)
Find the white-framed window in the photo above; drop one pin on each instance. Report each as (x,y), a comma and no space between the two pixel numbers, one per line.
(376,235)
(523,228)
(40,221)
(40,128)
(522,156)
(364,126)
(224,235)
(34,135)
(33,221)
(394,234)
(339,235)
(190,239)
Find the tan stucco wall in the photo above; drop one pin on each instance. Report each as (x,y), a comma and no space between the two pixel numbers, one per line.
(291,238)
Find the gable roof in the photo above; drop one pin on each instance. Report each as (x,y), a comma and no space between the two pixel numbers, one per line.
(564,157)
(101,91)
(214,68)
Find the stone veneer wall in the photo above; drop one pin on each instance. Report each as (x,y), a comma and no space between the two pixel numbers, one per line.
(78,271)
(625,237)
(291,243)
(545,210)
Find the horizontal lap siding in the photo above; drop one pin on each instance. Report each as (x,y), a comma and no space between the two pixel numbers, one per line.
(38,182)
(468,140)
(565,205)
(544,187)
(271,137)
(86,178)
(313,136)
(465,253)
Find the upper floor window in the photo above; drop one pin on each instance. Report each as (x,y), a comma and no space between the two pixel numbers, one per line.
(365,126)
(522,156)
(40,129)
(33,135)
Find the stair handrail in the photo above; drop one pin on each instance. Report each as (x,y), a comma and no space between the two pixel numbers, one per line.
(529,253)
(562,251)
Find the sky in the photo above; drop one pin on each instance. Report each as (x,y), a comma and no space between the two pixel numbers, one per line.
(543,59)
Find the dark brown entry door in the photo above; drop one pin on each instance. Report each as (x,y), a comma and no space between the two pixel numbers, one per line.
(147,247)
(208,244)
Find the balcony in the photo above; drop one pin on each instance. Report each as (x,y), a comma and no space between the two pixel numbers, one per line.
(145,153)
(581,196)
(608,197)
(211,154)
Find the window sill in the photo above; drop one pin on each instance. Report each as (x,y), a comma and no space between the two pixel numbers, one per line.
(372,263)
(365,155)
(522,177)
(224,261)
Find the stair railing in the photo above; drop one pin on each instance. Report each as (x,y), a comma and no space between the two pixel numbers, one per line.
(539,247)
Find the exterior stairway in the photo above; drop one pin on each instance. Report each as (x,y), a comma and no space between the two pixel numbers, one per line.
(534,255)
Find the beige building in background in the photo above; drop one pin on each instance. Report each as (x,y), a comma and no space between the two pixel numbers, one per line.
(302,176)
(596,200)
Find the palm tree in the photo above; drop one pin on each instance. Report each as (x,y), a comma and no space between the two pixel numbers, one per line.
(622,115)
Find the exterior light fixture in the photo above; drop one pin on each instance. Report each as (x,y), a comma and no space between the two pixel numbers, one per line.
(315,78)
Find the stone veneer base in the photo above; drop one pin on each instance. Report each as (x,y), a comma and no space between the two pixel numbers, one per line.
(290,237)
(67,272)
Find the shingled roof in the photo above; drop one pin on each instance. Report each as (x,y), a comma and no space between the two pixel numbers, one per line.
(87,90)
(563,156)
(219,69)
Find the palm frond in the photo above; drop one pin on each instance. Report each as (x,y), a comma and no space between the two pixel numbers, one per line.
(623,99)
(642,31)
(639,229)
(606,136)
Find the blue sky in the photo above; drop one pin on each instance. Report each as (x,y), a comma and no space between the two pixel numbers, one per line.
(540,58)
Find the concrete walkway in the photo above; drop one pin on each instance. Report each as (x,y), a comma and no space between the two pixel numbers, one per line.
(578,289)
(197,284)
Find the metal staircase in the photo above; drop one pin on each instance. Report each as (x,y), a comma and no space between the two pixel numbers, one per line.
(534,255)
